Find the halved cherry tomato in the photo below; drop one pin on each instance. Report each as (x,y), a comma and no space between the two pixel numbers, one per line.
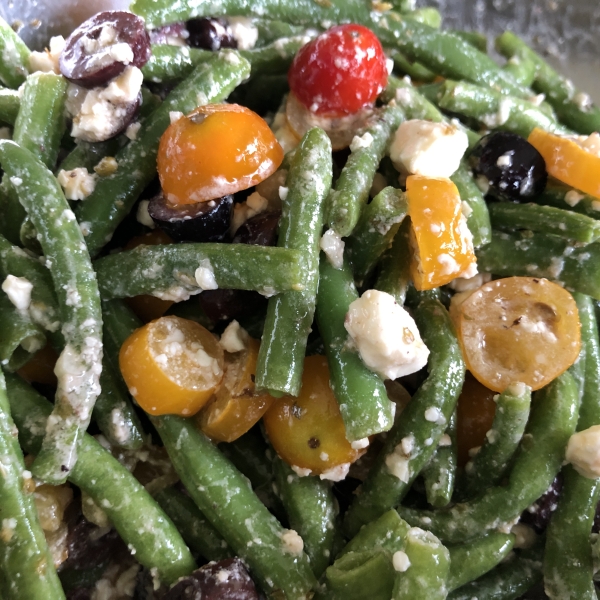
(236,406)
(172,366)
(444,245)
(475,414)
(339,72)
(518,329)
(568,161)
(308,431)
(217,149)
(146,306)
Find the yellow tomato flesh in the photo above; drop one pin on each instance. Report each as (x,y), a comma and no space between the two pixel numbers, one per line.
(172,366)
(308,431)
(217,149)
(518,329)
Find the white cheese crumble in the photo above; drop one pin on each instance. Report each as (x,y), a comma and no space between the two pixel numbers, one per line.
(47,61)
(400,561)
(18,290)
(254,205)
(77,184)
(583,452)
(337,473)
(428,149)
(360,444)
(244,31)
(462,284)
(292,542)
(361,141)
(573,198)
(174,116)
(332,244)
(205,276)
(589,143)
(300,471)
(386,336)
(234,338)
(132,130)
(143,216)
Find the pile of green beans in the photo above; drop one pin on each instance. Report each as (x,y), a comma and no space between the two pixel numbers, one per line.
(420,525)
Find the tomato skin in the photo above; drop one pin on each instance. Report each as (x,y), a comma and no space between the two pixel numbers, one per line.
(340,71)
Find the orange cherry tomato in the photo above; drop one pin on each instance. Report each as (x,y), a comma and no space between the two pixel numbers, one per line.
(475,413)
(308,431)
(518,329)
(172,366)
(568,161)
(146,306)
(40,367)
(236,406)
(443,243)
(217,149)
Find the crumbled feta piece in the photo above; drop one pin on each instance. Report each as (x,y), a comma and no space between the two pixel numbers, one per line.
(573,198)
(47,61)
(292,542)
(254,205)
(463,284)
(583,101)
(445,441)
(525,536)
(385,335)
(132,130)
(283,193)
(244,31)
(205,276)
(282,131)
(337,473)
(361,141)
(360,444)
(143,216)
(400,561)
(428,149)
(77,183)
(398,465)
(234,338)
(174,116)
(333,246)
(18,290)
(505,160)
(590,143)
(300,471)
(583,452)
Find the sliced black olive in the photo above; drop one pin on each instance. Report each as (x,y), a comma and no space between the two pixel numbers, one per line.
(514,169)
(198,222)
(210,34)
(539,513)
(260,230)
(225,305)
(93,53)
(224,580)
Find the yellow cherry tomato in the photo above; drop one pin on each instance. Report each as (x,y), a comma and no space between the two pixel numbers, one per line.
(172,366)
(518,329)
(443,246)
(236,406)
(308,431)
(217,149)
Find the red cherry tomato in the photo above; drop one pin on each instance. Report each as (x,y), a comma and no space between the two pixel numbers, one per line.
(340,71)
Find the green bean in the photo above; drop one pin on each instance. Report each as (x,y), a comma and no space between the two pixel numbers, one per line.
(312,510)
(359,575)
(20,338)
(510,580)
(119,322)
(428,568)
(264,93)
(353,185)
(440,473)
(375,231)
(568,565)
(364,405)
(521,69)
(488,466)
(26,565)
(428,15)
(545,219)
(168,271)
(539,255)
(87,155)
(15,56)
(394,275)
(194,527)
(79,302)
(562,196)
(495,109)
(115,194)
(413,439)
(172,63)
(10,102)
(476,210)
(270,31)
(414,70)
(290,315)
(536,463)
(473,559)
(475,38)
(573,108)
(138,519)
(223,495)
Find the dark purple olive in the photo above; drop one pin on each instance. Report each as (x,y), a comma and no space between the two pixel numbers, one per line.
(539,513)
(210,34)
(101,47)
(224,580)
(260,230)
(199,222)
(172,34)
(225,305)
(514,169)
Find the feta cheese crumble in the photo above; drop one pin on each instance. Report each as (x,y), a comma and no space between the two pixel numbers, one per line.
(234,338)
(386,336)
(400,561)
(428,149)
(47,61)
(332,244)
(292,542)
(18,290)
(77,184)
(583,452)
(205,276)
